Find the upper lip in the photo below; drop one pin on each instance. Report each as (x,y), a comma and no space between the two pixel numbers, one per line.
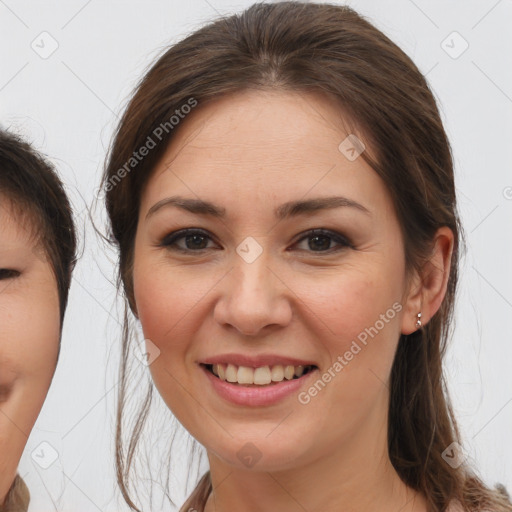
(255,361)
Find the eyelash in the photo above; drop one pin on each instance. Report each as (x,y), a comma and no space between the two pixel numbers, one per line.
(6,273)
(169,241)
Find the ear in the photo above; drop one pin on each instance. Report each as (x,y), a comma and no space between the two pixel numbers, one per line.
(428,288)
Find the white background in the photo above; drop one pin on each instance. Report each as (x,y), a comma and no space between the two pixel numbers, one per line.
(67,106)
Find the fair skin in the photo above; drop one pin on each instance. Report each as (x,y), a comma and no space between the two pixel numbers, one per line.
(250,153)
(29,338)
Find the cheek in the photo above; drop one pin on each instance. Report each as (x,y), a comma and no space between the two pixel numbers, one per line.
(30,336)
(167,299)
(29,341)
(345,304)
(355,316)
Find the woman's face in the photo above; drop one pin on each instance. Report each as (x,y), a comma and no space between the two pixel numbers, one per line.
(253,283)
(29,338)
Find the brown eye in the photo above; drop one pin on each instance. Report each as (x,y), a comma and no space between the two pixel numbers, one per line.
(321,239)
(195,240)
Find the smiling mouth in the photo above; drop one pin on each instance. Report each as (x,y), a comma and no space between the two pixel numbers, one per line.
(257,377)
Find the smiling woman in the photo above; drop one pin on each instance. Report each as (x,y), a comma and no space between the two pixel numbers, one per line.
(37,255)
(296,235)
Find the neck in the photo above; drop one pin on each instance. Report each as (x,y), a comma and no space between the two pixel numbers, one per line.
(356,477)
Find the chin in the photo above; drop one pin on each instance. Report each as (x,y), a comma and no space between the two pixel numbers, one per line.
(254,453)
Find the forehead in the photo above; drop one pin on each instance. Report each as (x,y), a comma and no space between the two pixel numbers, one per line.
(261,145)
(18,228)
(262,125)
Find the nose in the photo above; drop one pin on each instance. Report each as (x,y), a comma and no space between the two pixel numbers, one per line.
(254,299)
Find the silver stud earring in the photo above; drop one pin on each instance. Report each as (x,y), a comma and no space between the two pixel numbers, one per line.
(418,322)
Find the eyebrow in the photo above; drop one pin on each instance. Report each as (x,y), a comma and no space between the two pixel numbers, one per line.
(286,210)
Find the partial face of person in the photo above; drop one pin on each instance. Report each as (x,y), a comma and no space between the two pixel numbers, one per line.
(313,284)
(29,338)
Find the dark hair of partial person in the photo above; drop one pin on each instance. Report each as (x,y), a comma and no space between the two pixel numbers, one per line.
(300,47)
(30,185)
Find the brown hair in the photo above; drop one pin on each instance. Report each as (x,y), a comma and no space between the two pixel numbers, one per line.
(293,46)
(30,184)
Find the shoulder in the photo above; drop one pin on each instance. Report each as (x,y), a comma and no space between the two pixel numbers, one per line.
(17,498)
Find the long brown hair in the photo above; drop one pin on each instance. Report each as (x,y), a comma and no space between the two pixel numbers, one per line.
(330,49)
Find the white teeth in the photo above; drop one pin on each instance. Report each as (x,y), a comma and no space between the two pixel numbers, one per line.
(299,370)
(289,372)
(245,375)
(231,372)
(277,373)
(261,376)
